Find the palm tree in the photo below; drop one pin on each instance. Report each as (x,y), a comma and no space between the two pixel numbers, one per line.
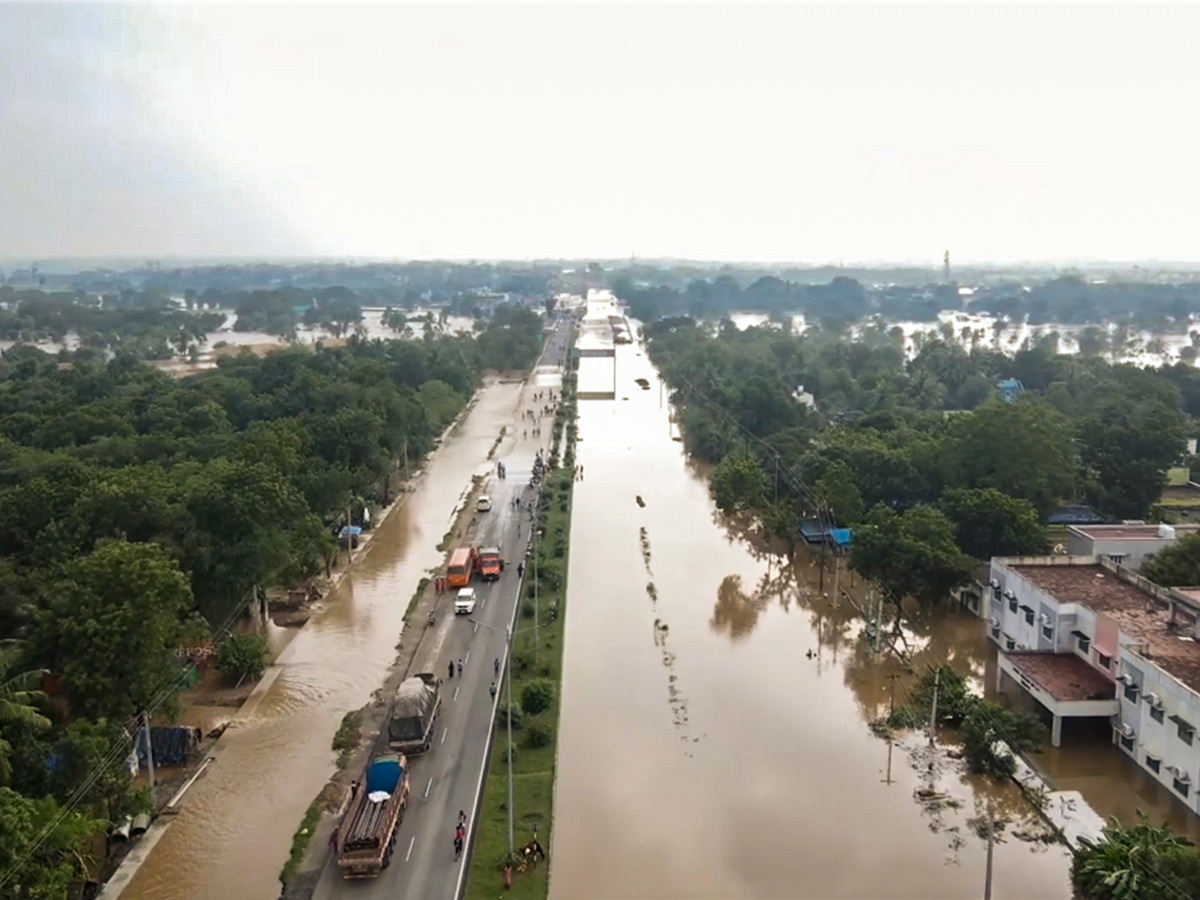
(19,697)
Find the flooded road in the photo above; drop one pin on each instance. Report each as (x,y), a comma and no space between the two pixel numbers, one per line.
(714,739)
(234,832)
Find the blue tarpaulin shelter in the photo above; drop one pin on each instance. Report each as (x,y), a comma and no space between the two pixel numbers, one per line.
(814,531)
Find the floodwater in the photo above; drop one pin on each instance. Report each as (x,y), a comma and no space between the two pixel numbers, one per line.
(714,739)
(235,829)
(987,332)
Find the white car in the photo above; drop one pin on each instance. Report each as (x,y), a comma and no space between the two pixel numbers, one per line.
(464,603)
(483,504)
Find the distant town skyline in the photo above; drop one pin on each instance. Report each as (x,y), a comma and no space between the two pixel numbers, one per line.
(854,133)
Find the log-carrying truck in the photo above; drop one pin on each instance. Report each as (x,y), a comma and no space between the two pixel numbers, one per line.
(367,833)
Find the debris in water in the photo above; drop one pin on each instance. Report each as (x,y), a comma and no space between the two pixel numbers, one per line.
(675,697)
(641,502)
(652,591)
(644,539)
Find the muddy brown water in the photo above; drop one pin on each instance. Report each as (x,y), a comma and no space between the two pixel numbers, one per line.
(235,829)
(715,739)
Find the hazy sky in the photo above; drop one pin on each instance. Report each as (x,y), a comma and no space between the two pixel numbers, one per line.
(803,132)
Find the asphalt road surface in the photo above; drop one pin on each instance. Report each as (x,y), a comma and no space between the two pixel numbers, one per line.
(447,779)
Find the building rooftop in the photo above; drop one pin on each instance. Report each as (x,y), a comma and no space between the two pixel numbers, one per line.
(1064,676)
(1131,532)
(1138,613)
(1078,514)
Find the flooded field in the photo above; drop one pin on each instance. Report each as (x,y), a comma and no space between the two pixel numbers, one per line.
(715,739)
(234,832)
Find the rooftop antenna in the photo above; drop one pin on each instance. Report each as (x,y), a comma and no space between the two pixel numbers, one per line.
(946,267)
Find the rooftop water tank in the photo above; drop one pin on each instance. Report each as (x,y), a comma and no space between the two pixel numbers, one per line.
(1166,532)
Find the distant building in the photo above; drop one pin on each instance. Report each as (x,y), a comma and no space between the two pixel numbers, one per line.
(1126,545)
(1077,514)
(1088,638)
(1009,389)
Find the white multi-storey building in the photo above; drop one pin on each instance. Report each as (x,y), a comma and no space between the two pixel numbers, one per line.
(1127,545)
(1087,637)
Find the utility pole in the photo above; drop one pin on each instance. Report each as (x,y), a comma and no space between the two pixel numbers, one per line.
(150,761)
(508,679)
(991,838)
(937,683)
(892,705)
(536,640)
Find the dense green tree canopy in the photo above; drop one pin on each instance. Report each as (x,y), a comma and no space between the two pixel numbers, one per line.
(988,523)
(910,554)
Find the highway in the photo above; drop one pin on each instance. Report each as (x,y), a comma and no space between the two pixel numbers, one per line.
(448,778)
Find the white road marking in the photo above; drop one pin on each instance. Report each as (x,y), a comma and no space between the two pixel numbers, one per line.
(427,787)
(467,658)
(443,740)
(455,697)
(411,841)
(475,630)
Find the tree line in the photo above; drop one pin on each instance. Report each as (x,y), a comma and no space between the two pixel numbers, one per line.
(138,512)
(924,458)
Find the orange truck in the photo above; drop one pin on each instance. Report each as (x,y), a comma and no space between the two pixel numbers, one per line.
(490,563)
(463,562)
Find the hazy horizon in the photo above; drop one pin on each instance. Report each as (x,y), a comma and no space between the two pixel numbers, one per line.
(866,135)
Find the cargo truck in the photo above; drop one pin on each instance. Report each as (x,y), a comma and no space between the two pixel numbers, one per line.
(490,563)
(414,712)
(367,834)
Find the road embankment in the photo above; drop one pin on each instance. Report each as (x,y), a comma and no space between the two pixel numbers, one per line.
(536,688)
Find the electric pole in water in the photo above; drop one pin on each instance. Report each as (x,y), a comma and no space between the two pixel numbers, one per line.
(937,682)
(991,836)
(150,761)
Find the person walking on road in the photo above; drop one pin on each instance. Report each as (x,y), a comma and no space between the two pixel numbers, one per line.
(492,690)
(520,569)
(460,668)
(496,666)
(451,668)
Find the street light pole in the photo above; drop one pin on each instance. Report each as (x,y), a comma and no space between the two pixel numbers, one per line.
(509,637)
(508,689)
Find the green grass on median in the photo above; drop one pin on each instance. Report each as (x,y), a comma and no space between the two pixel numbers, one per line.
(533,766)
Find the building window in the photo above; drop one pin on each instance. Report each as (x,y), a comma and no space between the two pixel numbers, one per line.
(1048,632)
(1085,643)
(1028,615)
(1186,730)
(996,633)
(1131,692)
(1182,787)
(1010,643)
(1156,713)
(1105,661)
(1012,604)
(1118,558)
(996,592)
(1127,743)
(1153,764)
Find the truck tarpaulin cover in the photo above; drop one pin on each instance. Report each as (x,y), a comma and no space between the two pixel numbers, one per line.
(412,708)
(384,775)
